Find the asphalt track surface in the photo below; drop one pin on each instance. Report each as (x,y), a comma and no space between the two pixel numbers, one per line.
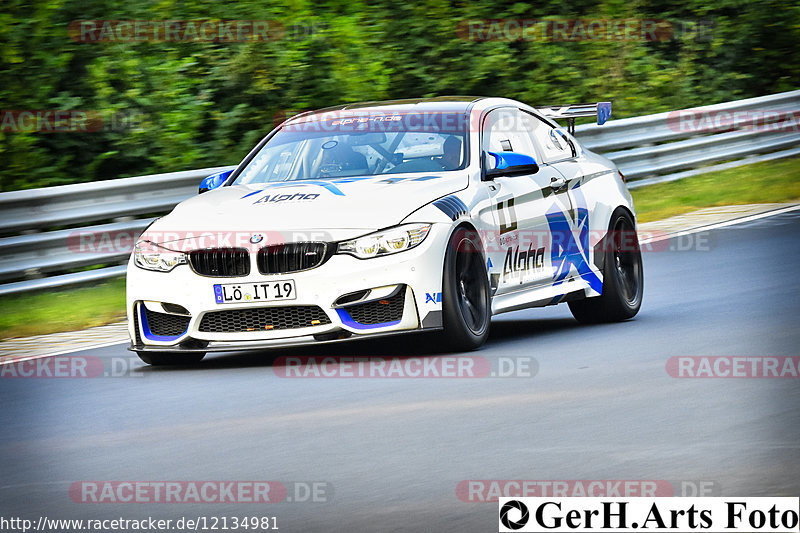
(600,407)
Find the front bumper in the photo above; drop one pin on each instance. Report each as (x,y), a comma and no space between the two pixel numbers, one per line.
(405,295)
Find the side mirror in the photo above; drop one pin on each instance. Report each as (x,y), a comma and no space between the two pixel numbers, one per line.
(214,180)
(511,164)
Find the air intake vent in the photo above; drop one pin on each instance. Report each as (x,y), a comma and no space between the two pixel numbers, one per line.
(263,319)
(379,311)
(452,206)
(221,262)
(164,324)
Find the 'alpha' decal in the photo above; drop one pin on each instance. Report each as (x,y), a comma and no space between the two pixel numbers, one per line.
(300,183)
(286,198)
(518,265)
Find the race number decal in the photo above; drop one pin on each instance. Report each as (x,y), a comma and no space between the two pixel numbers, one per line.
(507,215)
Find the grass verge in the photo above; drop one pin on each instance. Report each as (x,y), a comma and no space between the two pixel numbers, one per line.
(72,309)
(766,182)
(42,312)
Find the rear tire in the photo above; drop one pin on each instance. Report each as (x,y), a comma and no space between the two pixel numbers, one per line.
(623,277)
(170,359)
(466,305)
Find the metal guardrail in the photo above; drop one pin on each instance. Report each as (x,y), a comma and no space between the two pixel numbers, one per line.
(655,148)
(648,149)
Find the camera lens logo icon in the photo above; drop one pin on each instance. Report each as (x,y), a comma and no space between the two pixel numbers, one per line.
(523,512)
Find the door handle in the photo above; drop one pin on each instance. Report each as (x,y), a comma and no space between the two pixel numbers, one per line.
(557,183)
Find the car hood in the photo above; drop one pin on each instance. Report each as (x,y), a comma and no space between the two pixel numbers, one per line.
(342,207)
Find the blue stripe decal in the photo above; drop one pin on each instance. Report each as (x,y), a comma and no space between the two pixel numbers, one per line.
(149,335)
(299,183)
(329,185)
(251,194)
(352,179)
(347,320)
(303,183)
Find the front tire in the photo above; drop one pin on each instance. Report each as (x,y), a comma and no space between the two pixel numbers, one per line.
(623,277)
(170,359)
(466,304)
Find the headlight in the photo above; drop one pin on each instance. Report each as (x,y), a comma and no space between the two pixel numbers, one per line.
(150,256)
(385,242)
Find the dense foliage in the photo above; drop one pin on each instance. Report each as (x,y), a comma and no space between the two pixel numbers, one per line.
(171,106)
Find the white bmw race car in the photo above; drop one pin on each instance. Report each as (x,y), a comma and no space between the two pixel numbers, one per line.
(385,218)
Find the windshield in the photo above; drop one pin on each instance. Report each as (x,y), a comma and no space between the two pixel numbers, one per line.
(359,146)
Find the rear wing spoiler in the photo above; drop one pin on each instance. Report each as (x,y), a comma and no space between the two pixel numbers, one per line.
(570,112)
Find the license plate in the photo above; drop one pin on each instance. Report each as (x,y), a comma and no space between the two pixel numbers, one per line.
(234,293)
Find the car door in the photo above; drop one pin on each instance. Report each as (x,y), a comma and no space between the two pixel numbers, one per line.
(567,212)
(519,254)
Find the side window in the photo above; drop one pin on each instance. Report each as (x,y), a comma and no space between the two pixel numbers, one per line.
(552,145)
(504,130)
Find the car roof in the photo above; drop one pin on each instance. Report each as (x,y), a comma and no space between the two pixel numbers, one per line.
(438,104)
(448,103)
